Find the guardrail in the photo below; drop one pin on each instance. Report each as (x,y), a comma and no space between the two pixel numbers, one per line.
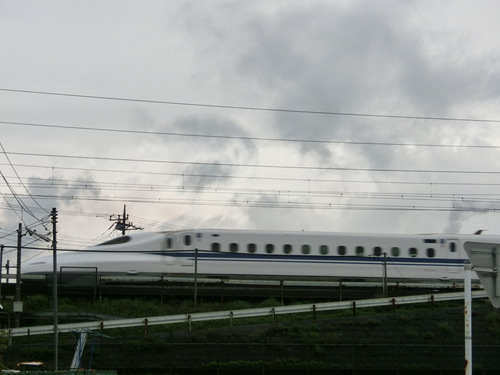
(246,313)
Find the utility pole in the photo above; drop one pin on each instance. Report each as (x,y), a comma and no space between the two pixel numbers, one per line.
(468,317)
(195,278)
(384,278)
(18,307)
(122,223)
(1,262)
(53,215)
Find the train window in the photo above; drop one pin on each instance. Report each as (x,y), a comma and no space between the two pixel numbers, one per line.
(413,252)
(116,241)
(377,251)
(395,251)
(287,249)
(453,247)
(430,240)
(187,240)
(269,248)
(306,249)
(341,250)
(323,249)
(233,247)
(360,251)
(251,248)
(430,252)
(169,242)
(215,246)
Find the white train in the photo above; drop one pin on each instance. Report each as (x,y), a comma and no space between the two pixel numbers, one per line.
(269,255)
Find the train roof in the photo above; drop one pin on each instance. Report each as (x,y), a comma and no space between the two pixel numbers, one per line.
(138,236)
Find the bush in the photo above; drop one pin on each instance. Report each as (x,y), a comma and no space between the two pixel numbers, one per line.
(444,329)
(37,303)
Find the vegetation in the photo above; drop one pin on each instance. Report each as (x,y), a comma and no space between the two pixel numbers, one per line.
(331,340)
(3,345)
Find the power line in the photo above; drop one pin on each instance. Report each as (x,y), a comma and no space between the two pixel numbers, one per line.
(17,198)
(241,191)
(259,203)
(267,166)
(248,177)
(21,181)
(245,138)
(248,108)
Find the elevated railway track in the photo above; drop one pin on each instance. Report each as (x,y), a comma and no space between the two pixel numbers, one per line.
(230,288)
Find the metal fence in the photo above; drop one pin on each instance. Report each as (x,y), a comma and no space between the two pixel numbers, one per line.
(246,313)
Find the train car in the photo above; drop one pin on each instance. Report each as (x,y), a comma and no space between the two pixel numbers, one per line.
(268,255)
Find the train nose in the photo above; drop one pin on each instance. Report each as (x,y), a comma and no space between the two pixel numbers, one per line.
(35,267)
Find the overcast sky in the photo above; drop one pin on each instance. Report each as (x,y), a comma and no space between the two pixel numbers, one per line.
(359,116)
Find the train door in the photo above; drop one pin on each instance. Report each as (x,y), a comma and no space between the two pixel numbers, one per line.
(453,250)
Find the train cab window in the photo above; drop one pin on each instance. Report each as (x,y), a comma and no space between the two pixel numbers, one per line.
(251,248)
(187,240)
(169,242)
(453,247)
(215,246)
(431,252)
(341,250)
(116,241)
(287,249)
(269,248)
(306,249)
(323,249)
(360,251)
(395,251)
(233,247)
(413,252)
(377,251)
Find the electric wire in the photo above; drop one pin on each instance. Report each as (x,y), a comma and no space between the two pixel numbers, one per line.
(250,177)
(261,166)
(249,108)
(247,138)
(20,180)
(260,203)
(311,193)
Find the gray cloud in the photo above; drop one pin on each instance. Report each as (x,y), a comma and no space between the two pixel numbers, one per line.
(384,57)
(208,150)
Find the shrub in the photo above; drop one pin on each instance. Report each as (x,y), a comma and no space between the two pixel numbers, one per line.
(444,329)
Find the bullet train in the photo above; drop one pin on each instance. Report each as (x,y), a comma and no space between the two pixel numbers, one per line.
(268,255)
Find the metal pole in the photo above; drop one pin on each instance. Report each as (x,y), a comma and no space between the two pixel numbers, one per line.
(1,269)
(195,278)
(468,317)
(384,281)
(18,276)
(54,289)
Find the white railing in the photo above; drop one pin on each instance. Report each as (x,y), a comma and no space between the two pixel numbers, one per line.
(236,314)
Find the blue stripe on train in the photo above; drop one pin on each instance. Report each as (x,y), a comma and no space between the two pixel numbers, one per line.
(284,258)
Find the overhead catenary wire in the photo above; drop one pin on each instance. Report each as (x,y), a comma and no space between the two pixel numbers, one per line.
(248,165)
(241,191)
(264,178)
(260,203)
